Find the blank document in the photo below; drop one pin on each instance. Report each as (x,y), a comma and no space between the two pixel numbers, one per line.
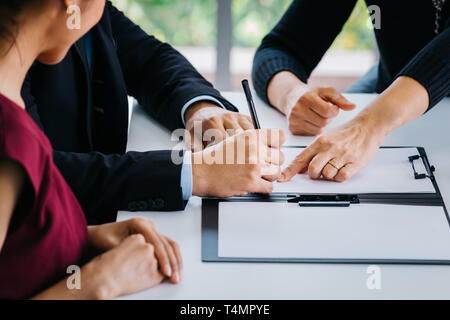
(389,172)
(361,231)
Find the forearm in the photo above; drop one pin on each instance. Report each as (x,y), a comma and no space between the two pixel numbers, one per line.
(284,89)
(90,288)
(403,101)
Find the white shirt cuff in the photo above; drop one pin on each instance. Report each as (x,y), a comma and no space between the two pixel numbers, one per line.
(197,99)
(186,175)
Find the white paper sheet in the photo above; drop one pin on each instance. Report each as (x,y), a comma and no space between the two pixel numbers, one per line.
(362,231)
(389,172)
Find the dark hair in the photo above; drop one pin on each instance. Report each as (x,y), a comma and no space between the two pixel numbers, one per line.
(9,11)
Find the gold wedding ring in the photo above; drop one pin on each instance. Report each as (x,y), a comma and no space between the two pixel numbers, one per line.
(331,163)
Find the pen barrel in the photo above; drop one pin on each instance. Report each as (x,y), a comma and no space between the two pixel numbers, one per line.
(251,104)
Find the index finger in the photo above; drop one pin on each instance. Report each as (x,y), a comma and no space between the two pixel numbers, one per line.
(299,164)
(324,108)
(151,236)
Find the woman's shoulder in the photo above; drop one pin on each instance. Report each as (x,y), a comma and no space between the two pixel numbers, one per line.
(21,140)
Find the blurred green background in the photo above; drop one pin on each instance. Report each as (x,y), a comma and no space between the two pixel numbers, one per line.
(193,22)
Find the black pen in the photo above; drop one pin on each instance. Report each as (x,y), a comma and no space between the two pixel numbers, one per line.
(251,104)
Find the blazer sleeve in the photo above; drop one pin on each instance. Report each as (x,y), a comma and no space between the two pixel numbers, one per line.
(135,181)
(156,74)
(299,40)
(431,67)
(104,184)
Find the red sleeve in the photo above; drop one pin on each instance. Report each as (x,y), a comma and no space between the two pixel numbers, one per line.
(23,142)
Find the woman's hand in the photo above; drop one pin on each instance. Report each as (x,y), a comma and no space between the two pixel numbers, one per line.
(128,268)
(307,109)
(339,154)
(111,235)
(312,109)
(344,151)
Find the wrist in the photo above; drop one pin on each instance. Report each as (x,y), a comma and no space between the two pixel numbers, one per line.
(292,96)
(96,286)
(404,100)
(199,178)
(284,90)
(374,124)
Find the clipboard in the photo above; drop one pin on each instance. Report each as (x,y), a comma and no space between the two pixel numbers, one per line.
(329,202)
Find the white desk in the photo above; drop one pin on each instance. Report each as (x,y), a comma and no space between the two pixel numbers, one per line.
(295,281)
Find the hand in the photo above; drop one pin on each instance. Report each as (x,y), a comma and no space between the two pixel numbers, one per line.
(310,110)
(111,235)
(245,163)
(209,116)
(129,267)
(339,154)
(352,146)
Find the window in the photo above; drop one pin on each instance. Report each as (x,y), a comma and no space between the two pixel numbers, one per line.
(220,36)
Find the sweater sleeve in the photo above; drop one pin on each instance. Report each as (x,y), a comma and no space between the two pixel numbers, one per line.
(431,68)
(299,40)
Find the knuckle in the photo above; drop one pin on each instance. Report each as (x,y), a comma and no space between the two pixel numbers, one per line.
(313,168)
(174,244)
(314,171)
(138,238)
(139,221)
(252,134)
(215,119)
(148,249)
(329,90)
(345,175)
(304,99)
(322,140)
(322,122)
(327,174)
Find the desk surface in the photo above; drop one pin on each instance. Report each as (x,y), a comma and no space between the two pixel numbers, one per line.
(295,281)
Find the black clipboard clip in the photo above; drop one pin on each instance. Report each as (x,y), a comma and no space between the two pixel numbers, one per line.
(325,200)
(430,169)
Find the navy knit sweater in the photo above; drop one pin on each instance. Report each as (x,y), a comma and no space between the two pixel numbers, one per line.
(406,40)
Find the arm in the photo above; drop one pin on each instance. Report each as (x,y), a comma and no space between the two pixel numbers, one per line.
(287,56)
(157,75)
(11,183)
(431,67)
(104,184)
(128,268)
(423,82)
(135,181)
(352,146)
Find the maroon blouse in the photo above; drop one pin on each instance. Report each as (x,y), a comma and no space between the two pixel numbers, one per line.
(48,230)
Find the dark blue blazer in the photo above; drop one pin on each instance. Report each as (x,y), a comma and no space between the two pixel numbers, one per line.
(84,112)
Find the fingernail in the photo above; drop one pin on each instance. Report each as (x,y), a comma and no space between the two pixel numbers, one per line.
(169,270)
